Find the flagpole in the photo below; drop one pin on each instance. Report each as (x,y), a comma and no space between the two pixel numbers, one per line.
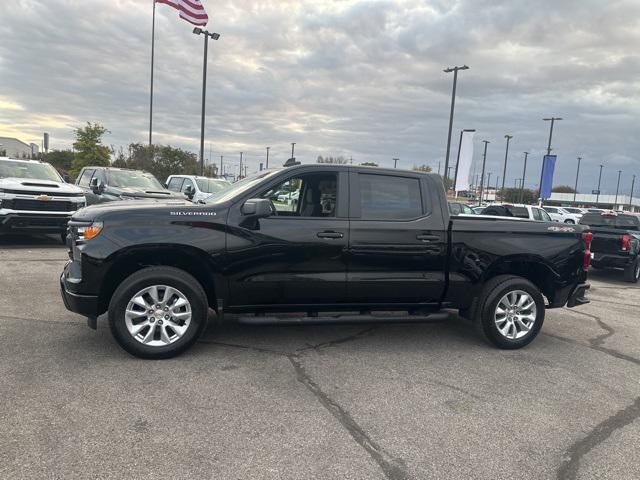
(153,41)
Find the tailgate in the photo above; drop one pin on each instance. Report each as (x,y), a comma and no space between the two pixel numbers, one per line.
(606,241)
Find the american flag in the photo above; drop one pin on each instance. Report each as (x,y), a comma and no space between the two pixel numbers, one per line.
(190,10)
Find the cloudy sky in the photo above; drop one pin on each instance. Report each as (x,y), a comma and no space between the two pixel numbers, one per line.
(351,78)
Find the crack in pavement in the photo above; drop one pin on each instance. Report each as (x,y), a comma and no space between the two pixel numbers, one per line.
(613,303)
(571,461)
(392,467)
(599,340)
(608,351)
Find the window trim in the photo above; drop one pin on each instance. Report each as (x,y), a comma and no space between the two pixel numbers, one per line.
(355,199)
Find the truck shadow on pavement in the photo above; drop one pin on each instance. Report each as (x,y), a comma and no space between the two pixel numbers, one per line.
(610,276)
(16,241)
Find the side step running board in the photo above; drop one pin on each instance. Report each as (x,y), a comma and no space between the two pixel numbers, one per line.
(341,319)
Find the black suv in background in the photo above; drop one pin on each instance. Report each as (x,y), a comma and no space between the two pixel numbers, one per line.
(106,184)
(616,242)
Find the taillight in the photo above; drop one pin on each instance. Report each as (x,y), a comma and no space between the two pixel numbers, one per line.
(587,237)
(626,242)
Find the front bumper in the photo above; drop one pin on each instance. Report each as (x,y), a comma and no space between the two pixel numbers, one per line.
(34,222)
(83,304)
(577,297)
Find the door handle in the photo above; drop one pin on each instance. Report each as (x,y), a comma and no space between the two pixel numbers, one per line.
(427,238)
(330,234)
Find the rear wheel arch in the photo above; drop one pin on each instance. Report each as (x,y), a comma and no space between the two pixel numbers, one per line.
(189,259)
(538,273)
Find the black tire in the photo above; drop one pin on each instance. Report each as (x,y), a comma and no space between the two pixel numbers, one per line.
(169,276)
(486,304)
(570,222)
(632,272)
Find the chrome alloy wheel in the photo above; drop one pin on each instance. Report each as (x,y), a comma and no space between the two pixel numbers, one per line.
(158,315)
(515,314)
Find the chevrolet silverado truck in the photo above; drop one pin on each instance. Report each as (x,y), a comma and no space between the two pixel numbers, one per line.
(616,242)
(35,199)
(359,239)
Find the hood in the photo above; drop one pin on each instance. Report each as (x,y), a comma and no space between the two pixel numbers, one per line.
(132,207)
(142,193)
(34,185)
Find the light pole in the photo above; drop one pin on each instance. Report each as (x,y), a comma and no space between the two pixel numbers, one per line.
(484,162)
(395,162)
(506,155)
(633,181)
(599,178)
(240,169)
(575,189)
(453,104)
(214,36)
(524,175)
(617,189)
(267,166)
(488,184)
(455,175)
(221,170)
(553,121)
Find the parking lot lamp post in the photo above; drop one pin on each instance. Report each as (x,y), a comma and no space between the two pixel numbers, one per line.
(240,169)
(455,175)
(484,162)
(453,104)
(395,162)
(267,166)
(633,181)
(599,179)
(214,36)
(506,155)
(575,189)
(524,175)
(221,169)
(617,189)
(488,184)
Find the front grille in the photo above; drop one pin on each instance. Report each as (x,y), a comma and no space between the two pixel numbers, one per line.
(57,194)
(39,205)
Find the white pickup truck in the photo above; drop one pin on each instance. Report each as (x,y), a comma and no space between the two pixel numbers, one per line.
(35,199)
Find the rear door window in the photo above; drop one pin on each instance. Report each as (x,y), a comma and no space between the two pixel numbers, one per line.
(387,197)
(85,178)
(187,183)
(519,212)
(175,184)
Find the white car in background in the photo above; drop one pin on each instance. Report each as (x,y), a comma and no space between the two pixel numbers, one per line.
(559,214)
(194,187)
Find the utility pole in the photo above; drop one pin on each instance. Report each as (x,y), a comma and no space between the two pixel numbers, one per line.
(598,194)
(524,175)
(395,162)
(484,162)
(575,189)
(453,104)
(221,169)
(617,189)
(268,148)
(633,181)
(240,169)
(506,155)
(552,120)
(488,184)
(438,167)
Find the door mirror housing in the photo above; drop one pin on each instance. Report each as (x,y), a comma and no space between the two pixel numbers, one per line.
(257,208)
(189,192)
(96,186)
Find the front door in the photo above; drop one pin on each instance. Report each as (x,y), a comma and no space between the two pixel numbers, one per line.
(298,255)
(397,243)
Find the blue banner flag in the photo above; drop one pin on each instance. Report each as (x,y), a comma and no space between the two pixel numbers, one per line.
(548,166)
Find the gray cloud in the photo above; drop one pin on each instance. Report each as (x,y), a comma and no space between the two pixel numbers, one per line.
(353,78)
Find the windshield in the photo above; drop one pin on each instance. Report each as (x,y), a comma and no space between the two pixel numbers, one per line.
(133,179)
(34,170)
(239,187)
(211,185)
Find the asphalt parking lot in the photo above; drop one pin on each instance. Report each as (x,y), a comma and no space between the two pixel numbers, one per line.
(371,401)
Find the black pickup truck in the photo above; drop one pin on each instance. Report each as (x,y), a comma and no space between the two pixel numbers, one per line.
(356,239)
(616,242)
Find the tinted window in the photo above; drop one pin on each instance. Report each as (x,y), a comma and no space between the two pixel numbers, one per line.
(384,197)
(506,211)
(187,183)
(85,178)
(545,216)
(551,210)
(175,183)
(623,222)
(454,209)
(311,195)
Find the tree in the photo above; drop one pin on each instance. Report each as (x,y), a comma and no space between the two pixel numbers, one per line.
(89,148)
(338,160)
(60,159)
(160,160)
(563,189)
(369,164)
(422,168)
(512,195)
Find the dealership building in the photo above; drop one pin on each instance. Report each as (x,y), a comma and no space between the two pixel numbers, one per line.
(621,202)
(18,149)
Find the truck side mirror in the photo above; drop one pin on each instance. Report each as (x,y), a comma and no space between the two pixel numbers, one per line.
(96,186)
(189,192)
(257,208)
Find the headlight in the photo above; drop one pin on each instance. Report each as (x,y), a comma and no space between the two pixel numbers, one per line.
(90,231)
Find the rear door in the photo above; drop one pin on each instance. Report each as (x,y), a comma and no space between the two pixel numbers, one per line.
(397,242)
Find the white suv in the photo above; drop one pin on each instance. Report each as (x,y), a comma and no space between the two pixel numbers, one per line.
(35,199)
(196,188)
(558,214)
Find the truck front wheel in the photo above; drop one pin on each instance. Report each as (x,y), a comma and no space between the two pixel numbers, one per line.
(158,312)
(510,311)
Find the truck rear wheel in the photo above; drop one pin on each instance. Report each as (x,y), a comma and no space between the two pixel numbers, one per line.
(632,272)
(510,312)
(158,312)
